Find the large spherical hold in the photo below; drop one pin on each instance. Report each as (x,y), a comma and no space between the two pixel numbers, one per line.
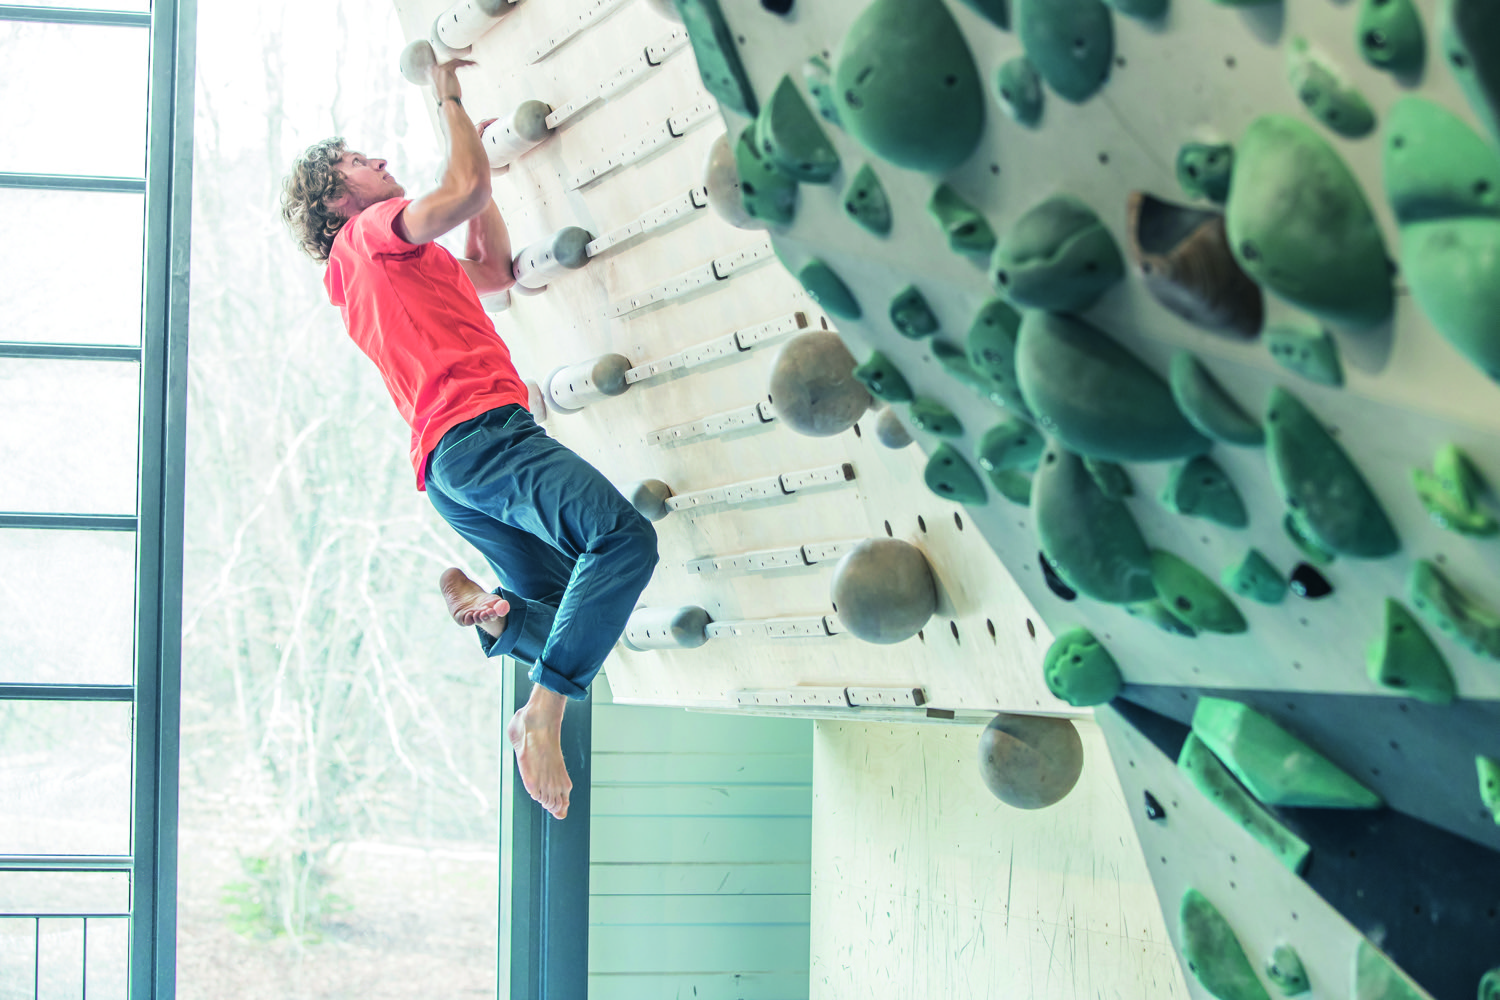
(813,387)
(1030,761)
(722,178)
(884,590)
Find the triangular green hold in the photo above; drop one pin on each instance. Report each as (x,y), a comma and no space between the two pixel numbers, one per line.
(1326,94)
(1057,256)
(1020,90)
(717,56)
(1452,612)
(828,290)
(991,344)
(969,234)
(1013,444)
(1436,166)
(1156,613)
(911,315)
(884,379)
(1193,597)
(1199,488)
(1313,354)
(1299,225)
(1111,478)
(789,134)
(1376,977)
(1013,484)
(1317,481)
(1276,767)
(1489,985)
(927,414)
(907,86)
(1093,541)
(1302,538)
(1257,578)
(765,192)
(1204,169)
(1450,494)
(1285,971)
(818,76)
(1405,661)
(1212,952)
(866,203)
(1489,784)
(1453,269)
(997,12)
(952,478)
(1071,42)
(1205,772)
(1469,33)
(1208,406)
(1390,36)
(1079,670)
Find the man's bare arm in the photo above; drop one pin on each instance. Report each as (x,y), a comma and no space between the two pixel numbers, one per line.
(487,255)
(464,190)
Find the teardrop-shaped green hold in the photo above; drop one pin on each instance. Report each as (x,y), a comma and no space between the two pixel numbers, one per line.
(1450,494)
(1436,166)
(1013,484)
(1469,32)
(955,362)
(1157,614)
(1390,36)
(1208,406)
(1299,225)
(1453,269)
(1326,94)
(1012,444)
(1111,478)
(1302,538)
(818,76)
(952,478)
(1257,578)
(1020,90)
(1403,659)
(828,290)
(1199,488)
(884,379)
(911,315)
(1079,670)
(991,345)
(1317,480)
(1453,612)
(1489,794)
(1214,955)
(717,56)
(789,134)
(1193,597)
(1071,43)
(969,234)
(766,192)
(927,414)
(1311,353)
(1285,971)
(1204,169)
(1092,541)
(1095,396)
(1057,256)
(907,86)
(866,203)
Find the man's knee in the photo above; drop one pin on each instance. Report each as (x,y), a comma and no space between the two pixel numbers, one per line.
(643,541)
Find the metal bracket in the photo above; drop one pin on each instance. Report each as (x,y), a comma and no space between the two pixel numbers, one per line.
(755,415)
(720,347)
(651,220)
(771,559)
(675,127)
(762,489)
(593,12)
(626,76)
(776,628)
(718,269)
(833,697)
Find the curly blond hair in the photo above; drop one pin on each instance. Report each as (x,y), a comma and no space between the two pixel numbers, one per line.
(305,194)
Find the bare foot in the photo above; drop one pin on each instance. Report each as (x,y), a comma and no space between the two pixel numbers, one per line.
(471,604)
(535,733)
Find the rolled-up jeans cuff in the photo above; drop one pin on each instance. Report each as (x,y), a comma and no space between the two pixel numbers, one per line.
(527,626)
(544,676)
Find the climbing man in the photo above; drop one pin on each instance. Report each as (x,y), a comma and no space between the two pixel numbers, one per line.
(571,553)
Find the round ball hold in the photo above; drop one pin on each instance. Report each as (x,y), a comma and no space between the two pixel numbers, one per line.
(1030,761)
(722,178)
(890,431)
(884,590)
(649,497)
(417,60)
(813,387)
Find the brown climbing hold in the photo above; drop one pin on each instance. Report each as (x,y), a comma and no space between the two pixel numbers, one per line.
(1184,258)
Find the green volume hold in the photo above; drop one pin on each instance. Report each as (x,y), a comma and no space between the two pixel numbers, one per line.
(1092,540)
(789,134)
(1212,779)
(1213,953)
(1404,660)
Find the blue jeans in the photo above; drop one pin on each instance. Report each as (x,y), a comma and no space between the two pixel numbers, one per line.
(571,553)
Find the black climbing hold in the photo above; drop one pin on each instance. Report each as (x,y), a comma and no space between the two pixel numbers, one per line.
(1309,583)
(777,6)
(1154,810)
(1055,582)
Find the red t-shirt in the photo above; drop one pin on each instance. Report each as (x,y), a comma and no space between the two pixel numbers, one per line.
(414,312)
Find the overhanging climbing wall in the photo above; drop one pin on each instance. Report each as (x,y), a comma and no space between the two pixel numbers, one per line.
(1236,264)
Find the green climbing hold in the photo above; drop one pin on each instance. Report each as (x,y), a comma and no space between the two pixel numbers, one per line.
(1160,615)
(1092,541)
(1489,985)
(884,379)
(1193,597)
(1390,36)
(956,363)
(1213,953)
(1404,660)
(819,79)
(1013,484)
(791,138)
(1325,93)
(1470,33)
(907,87)
(1295,530)
(1057,256)
(911,315)
(828,290)
(1299,225)
(1205,772)
(991,346)
(1111,478)
(1146,10)
(766,192)
(1184,259)
(1313,354)
(969,235)
(717,56)
(1285,971)
(1316,480)
(929,415)
(1276,767)
(1453,268)
(1013,444)
(1256,578)
(1199,488)
(1020,90)
(1203,170)
(1451,494)
(1071,43)
(1436,167)
(1451,611)
(997,12)
(950,477)
(1080,671)
(1376,977)
(1095,396)
(866,202)
(1489,787)
(1207,405)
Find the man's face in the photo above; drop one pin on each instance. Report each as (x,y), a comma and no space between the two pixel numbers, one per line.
(366,181)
